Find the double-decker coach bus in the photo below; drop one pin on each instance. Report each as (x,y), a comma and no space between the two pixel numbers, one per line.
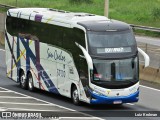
(82,56)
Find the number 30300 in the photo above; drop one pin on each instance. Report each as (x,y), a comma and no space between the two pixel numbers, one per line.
(61,73)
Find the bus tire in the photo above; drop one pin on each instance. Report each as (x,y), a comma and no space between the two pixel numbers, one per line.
(75,96)
(23,82)
(30,82)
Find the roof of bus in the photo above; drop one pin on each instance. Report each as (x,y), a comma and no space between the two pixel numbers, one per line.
(65,18)
(52,14)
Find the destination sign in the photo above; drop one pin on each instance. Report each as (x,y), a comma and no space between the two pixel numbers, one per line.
(114,50)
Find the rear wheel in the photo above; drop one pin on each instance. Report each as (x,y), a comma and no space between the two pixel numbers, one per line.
(30,82)
(75,96)
(23,82)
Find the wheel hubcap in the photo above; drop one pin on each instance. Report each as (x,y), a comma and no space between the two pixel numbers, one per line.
(30,83)
(75,95)
(23,80)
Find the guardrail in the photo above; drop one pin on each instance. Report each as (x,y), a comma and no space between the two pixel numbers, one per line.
(7,6)
(153,29)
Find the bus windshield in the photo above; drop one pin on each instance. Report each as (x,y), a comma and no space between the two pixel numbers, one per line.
(115,70)
(111,39)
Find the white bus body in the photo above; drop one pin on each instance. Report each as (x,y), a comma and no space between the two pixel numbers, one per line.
(41,52)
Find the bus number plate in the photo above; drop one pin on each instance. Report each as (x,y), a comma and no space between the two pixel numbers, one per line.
(117,102)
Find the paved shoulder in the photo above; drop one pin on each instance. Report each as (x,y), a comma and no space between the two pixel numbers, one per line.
(148,40)
(24,104)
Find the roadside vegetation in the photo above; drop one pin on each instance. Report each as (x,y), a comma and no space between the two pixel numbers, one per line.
(139,12)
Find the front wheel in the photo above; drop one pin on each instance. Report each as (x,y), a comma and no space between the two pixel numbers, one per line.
(75,96)
(30,82)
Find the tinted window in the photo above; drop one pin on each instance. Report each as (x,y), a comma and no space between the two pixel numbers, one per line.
(116,70)
(79,36)
(111,39)
(46,33)
(33,30)
(53,35)
(12,25)
(116,74)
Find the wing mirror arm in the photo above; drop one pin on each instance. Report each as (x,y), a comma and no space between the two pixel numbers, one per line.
(86,56)
(146,57)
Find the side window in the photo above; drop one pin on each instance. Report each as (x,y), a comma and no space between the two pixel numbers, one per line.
(9,25)
(36,31)
(46,33)
(12,25)
(68,39)
(56,35)
(23,28)
(79,36)
(23,25)
(39,31)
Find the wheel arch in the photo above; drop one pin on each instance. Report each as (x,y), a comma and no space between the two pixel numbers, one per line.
(72,86)
(28,73)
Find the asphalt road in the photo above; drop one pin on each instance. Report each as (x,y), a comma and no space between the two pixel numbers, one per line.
(149,101)
(148,40)
(151,46)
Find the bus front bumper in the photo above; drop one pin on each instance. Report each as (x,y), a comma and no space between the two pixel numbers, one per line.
(100,99)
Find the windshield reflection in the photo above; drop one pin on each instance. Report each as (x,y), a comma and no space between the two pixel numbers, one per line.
(115,70)
(111,39)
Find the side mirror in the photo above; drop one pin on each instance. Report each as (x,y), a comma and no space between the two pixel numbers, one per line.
(146,57)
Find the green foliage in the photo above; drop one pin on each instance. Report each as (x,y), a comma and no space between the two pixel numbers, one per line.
(156,13)
(139,12)
(80,1)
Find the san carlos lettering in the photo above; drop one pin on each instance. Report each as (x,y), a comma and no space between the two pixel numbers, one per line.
(55,55)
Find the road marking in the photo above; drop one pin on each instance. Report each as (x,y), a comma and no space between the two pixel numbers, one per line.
(48,103)
(2,50)
(42,110)
(15,103)
(24,103)
(2,109)
(15,97)
(150,88)
(130,103)
(75,118)
(24,109)
(5,91)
